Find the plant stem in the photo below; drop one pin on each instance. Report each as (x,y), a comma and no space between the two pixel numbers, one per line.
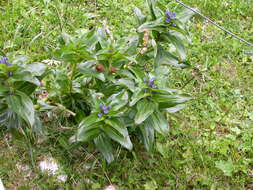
(73,71)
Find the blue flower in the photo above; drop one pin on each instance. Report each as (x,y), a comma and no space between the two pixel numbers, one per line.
(4,60)
(170,16)
(150,82)
(153,86)
(104,109)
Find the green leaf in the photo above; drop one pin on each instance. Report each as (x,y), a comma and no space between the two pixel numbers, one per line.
(91,119)
(4,88)
(89,128)
(131,44)
(25,76)
(127,83)
(175,109)
(160,123)
(140,17)
(152,25)
(66,38)
(172,99)
(185,15)
(166,58)
(104,145)
(138,73)
(102,38)
(154,9)
(87,133)
(144,109)
(22,105)
(92,73)
(118,132)
(119,100)
(148,135)
(117,125)
(178,43)
(37,69)
(25,87)
(226,166)
(138,94)
(10,119)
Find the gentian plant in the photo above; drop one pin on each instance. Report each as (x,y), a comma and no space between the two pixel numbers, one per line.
(111,88)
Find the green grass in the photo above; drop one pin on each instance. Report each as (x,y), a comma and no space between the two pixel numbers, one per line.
(210,142)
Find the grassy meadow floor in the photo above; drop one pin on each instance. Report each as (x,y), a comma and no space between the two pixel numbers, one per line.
(210,142)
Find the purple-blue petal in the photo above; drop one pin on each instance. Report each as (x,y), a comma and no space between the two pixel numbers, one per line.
(100,115)
(154,86)
(168,20)
(167,12)
(145,80)
(104,108)
(105,111)
(4,60)
(151,81)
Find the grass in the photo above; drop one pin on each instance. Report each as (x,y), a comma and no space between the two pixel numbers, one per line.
(210,142)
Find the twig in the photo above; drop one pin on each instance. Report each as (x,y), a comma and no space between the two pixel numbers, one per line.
(215,24)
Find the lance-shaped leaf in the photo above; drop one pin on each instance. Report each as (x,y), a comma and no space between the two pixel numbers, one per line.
(171,99)
(152,25)
(37,69)
(25,76)
(138,95)
(88,129)
(178,43)
(166,58)
(119,100)
(126,83)
(118,132)
(144,109)
(22,105)
(104,145)
(148,135)
(160,123)
(140,17)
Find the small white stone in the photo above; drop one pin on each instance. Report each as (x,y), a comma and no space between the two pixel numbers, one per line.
(62,178)
(1,185)
(52,62)
(110,187)
(49,165)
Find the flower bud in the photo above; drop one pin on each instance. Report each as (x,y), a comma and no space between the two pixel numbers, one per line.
(100,68)
(113,69)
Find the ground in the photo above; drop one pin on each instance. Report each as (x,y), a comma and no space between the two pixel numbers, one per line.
(210,142)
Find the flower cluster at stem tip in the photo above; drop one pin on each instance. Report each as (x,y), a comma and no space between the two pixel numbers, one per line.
(104,110)
(4,61)
(150,82)
(170,16)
